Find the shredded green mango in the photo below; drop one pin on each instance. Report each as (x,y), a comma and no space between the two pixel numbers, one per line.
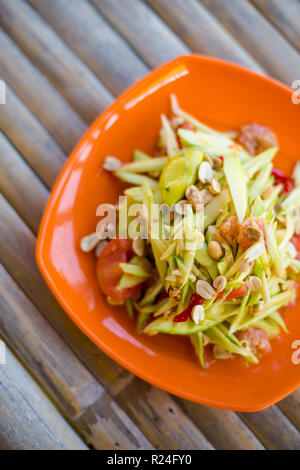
(226,224)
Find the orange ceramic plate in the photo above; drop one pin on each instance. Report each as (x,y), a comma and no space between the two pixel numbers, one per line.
(220,94)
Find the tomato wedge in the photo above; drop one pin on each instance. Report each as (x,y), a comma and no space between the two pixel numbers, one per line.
(296,242)
(281,178)
(237,292)
(109,272)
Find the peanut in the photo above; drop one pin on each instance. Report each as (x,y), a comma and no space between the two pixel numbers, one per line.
(215,187)
(215,250)
(111,163)
(205,290)
(89,242)
(138,246)
(220,283)
(197,314)
(205,173)
(254,283)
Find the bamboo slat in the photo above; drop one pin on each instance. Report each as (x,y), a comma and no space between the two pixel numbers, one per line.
(31,139)
(273,429)
(93,40)
(291,407)
(201,31)
(20,185)
(29,421)
(262,40)
(76,83)
(155,410)
(284,15)
(224,429)
(83,400)
(39,95)
(143,29)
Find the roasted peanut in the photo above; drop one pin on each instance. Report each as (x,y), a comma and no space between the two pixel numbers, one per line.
(138,246)
(205,173)
(205,290)
(112,163)
(215,250)
(197,314)
(220,283)
(254,283)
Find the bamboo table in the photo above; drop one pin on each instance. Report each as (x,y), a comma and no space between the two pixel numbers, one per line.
(63,62)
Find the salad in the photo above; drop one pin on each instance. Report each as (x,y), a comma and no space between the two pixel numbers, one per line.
(221,255)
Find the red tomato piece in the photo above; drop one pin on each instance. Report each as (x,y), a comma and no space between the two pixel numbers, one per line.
(237,292)
(109,272)
(185,314)
(281,178)
(296,242)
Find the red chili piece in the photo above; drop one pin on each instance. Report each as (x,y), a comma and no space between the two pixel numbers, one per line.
(186,125)
(185,314)
(281,178)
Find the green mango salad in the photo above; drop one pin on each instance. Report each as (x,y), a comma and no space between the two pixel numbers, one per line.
(214,250)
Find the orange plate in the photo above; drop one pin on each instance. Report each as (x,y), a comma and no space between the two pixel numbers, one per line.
(220,94)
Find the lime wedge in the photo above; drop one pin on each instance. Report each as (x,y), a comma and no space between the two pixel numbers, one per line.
(179,173)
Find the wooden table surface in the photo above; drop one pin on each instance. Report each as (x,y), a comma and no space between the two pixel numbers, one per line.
(63,62)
